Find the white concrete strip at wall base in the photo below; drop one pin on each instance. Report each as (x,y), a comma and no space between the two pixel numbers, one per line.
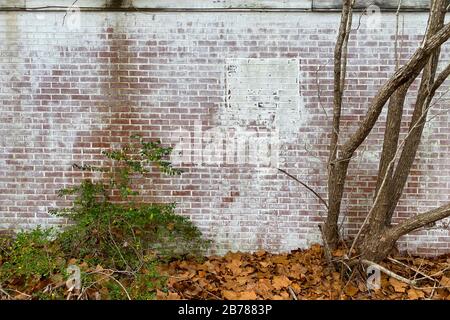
(199,5)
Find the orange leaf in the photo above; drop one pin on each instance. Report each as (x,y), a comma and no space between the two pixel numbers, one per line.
(280,259)
(280,282)
(230,295)
(445,282)
(235,266)
(160,295)
(260,253)
(414,294)
(399,286)
(173,296)
(247,295)
(264,285)
(339,253)
(351,290)
(233,256)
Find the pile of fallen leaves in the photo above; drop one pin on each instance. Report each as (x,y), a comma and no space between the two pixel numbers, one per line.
(300,275)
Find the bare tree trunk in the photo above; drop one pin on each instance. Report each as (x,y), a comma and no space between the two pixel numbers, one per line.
(377,222)
(380,237)
(377,249)
(423,101)
(392,132)
(336,178)
(379,241)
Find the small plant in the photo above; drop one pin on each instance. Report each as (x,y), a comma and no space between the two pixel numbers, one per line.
(122,234)
(30,258)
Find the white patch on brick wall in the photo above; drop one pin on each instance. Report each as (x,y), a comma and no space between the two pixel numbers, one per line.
(264,93)
(263,96)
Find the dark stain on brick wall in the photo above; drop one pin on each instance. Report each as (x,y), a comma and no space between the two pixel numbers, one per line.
(118,4)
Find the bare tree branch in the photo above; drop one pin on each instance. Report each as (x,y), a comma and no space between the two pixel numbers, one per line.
(410,70)
(419,221)
(306,186)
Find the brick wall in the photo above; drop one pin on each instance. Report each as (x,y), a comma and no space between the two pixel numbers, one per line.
(70,88)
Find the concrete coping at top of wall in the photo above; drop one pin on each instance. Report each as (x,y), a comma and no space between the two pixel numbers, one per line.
(206,5)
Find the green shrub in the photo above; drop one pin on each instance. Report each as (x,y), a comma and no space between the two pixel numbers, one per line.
(109,230)
(123,235)
(30,256)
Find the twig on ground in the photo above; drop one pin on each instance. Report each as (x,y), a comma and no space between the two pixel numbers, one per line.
(294,296)
(435,274)
(349,280)
(417,271)
(425,276)
(5,293)
(210,293)
(432,292)
(389,273)
(19,292)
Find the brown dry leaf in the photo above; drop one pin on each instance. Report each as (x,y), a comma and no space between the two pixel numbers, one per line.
(230,295)
(264,285)
(282,296)
(57,279)
(399,286)
(280,282)
(339,253)
(235,266)
(240,281)
(99,268)
(160,295)
(445,282)
(414,294)
(260,253)
(351,290)
(193,292)
(22,296)
(297,271)
(184,265)
(428,291)
(229,285)
(233,256)
(282,259)
(103,292)
(207,266)
(184,276)
(296,287)
(173,296)
(247,295)
(83,265)
(316,248)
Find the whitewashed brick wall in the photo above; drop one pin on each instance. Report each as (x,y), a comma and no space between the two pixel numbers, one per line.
(67,93)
